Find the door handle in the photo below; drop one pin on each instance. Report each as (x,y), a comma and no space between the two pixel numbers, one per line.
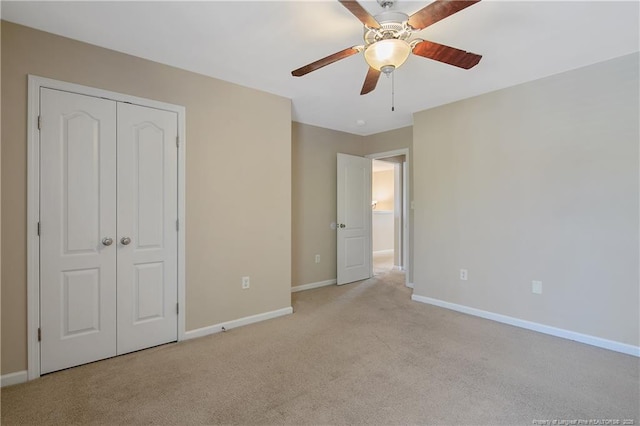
(106,241)
(342,225)
(125,241)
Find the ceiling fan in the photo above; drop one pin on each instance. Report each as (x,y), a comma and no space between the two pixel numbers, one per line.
(388,42)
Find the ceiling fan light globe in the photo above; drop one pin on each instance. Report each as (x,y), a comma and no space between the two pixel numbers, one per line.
(389,52)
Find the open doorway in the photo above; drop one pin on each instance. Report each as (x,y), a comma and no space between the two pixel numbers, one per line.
(389,219)
(383,216)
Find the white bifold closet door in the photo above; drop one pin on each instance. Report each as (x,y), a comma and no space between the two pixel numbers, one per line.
(108,237)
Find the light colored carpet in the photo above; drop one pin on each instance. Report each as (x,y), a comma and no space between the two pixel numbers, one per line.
(362,353)
(382,263)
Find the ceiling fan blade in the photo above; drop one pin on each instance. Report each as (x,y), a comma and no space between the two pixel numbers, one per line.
(446,54)
(437,11)
(370,81)
(325,61)
(360,13)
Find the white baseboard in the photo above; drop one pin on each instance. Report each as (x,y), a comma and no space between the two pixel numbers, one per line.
(13,378)
(217,328)
(313,285)
(386,251)
(410,285)
(534,326)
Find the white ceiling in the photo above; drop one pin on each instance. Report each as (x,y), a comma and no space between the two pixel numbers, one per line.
(257,44)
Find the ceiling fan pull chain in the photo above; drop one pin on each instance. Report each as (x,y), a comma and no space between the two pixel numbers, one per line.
(393,91)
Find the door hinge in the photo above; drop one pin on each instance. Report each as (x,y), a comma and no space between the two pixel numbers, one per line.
(38,229)
(177,308)
(177,224)
(39,122)
(177,141)
(39,334)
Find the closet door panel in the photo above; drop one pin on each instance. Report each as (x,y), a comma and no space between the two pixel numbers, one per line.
(147,234)
(77,221)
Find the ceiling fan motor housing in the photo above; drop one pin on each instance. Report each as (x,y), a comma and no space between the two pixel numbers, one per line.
(392,16)
(393,24)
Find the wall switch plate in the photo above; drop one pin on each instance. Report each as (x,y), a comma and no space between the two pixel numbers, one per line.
(245,282)
(463,274)
(536,287)
(317,258)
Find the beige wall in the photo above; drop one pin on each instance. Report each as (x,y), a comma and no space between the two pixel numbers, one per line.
(314,185)
(382,189)
(535,182)
(389,141)
(0,196)
(382,220)
(314,169)
(238,177)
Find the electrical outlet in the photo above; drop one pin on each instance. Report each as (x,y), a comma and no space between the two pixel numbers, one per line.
(463,274)
(536,287)
(317,258)
(245,282)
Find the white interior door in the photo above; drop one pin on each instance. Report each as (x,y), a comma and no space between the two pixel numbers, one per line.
(108,228)
(77,223)
(147,229)
(354,218)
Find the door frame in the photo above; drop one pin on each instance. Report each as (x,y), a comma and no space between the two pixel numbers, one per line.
(35,83)
(406,228)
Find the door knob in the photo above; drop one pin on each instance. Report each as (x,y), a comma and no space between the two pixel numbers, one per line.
(107,241)
(342,225)
(125,241)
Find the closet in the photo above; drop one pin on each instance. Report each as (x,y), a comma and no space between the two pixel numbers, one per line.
(108,229)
